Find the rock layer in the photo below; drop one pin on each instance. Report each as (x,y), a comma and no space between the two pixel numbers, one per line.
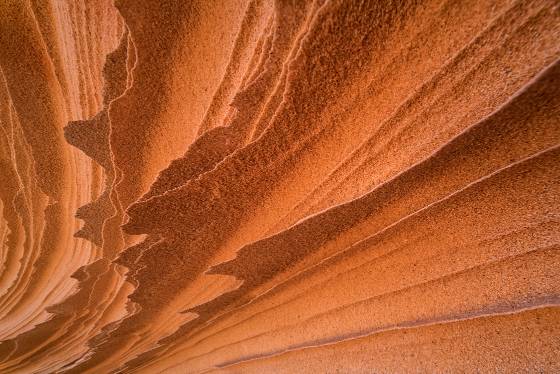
(279,186)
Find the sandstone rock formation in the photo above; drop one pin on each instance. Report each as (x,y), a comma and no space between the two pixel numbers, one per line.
(279,186)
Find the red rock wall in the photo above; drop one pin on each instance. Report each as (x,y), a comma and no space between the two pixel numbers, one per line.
(279,186)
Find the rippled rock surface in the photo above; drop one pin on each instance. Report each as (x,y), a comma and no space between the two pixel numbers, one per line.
(279,186)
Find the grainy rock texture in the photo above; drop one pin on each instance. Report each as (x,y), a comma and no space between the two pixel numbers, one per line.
(279,186)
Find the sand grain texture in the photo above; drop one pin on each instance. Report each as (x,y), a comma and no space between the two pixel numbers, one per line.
(279,186)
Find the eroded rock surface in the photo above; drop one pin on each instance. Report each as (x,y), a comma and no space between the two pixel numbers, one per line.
(279,186)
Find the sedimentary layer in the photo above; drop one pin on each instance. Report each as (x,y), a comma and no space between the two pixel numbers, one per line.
(279,186)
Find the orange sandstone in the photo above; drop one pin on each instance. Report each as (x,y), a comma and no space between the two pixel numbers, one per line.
(279,186)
